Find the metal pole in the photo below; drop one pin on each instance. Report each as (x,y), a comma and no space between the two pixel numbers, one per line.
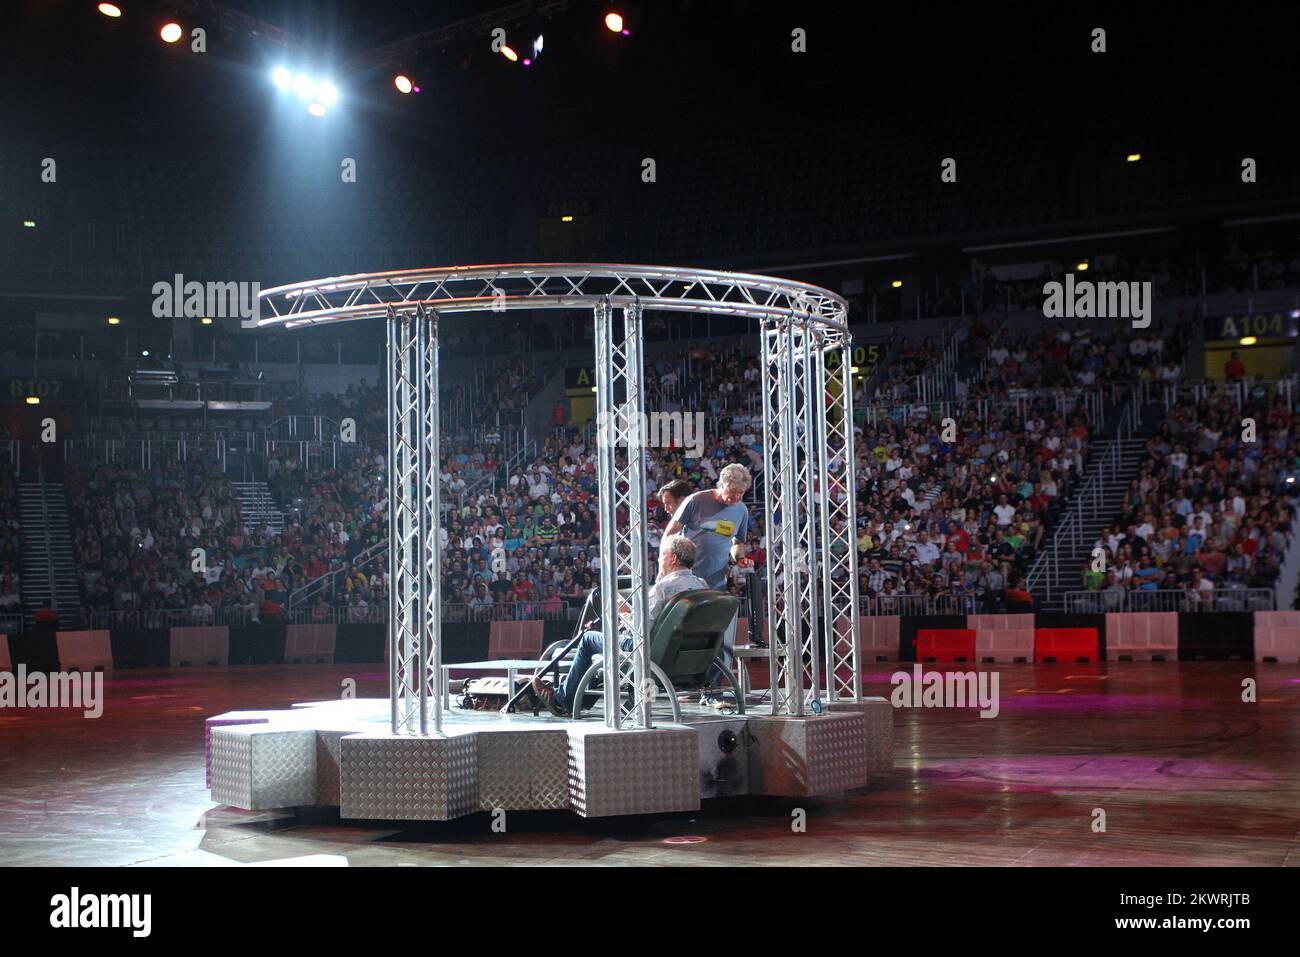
(790,518)
(813,457)
(771,487)
(606,443)
(431,557)
(390,372)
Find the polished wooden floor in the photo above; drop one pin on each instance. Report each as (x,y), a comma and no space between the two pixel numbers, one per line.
(1185,771)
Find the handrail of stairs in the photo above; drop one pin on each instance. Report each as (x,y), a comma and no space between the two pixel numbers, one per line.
(300,595)
(1047,568)
(49,548)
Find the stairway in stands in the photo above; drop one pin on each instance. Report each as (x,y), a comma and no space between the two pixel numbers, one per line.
(256,504)
(48,564)
(1096,505)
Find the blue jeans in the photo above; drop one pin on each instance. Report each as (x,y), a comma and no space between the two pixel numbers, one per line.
(592,644)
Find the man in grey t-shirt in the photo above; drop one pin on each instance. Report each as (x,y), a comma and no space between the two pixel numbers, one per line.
(718,522)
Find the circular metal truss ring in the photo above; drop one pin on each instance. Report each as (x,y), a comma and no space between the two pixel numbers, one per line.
(501,288)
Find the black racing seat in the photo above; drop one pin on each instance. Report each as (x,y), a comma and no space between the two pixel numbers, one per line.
(685,643)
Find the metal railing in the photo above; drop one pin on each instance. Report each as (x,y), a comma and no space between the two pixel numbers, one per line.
(1191,392)
(1170,599)
(169,617)
(540,610)
(375,614)
(908,605)
(11,624)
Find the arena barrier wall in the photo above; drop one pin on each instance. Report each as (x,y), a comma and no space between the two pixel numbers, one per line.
(1262,636)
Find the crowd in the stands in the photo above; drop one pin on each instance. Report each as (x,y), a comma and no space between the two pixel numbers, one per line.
(951,515)
(1210,513)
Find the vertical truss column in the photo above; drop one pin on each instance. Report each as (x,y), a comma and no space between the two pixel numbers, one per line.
(620,417)
(431,518)
(839,524)
(789,458)
(812,479)
(774,400)
(414,562)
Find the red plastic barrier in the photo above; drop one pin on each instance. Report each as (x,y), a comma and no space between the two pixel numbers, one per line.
(945,644)
(1066,644)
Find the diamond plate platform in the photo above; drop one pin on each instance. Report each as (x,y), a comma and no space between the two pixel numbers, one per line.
(340,754)
(224,720)
(396,777)
(524,769)
(258,767)
(639,771)
(807,756)
(880,730)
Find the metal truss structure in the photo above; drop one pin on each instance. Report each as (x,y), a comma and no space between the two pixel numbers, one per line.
(809,479)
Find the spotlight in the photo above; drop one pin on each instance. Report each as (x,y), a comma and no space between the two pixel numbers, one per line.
(114,321)
(282,78)
(1249,341)
(528,61)
(33,400)
(171,32)
(329,93)
(509,54)
(29,223)
(303,86)
(1133,157)
(110,10)
(1083,266)
(614,22)
(403,83)
(897,284)
(315,109)
(145,353)
(537,46)
(206,320)
(566,219)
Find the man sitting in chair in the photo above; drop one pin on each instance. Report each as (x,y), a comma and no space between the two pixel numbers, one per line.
(676,557)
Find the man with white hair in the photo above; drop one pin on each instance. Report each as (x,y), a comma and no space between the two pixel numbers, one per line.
(676,559)
(718,522)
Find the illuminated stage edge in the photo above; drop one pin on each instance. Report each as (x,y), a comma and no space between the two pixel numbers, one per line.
(342,754)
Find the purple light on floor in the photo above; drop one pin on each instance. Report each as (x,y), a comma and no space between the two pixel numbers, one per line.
(1084,770)
(627,33)
(528,61)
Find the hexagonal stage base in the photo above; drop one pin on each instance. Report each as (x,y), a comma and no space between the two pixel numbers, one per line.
(342,754)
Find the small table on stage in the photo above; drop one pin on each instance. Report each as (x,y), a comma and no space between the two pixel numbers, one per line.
(742,668)
(511,666)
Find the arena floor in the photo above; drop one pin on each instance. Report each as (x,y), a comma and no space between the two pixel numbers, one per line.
(1186,773)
